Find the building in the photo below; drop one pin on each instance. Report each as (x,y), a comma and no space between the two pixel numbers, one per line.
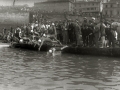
(59,6)
(89,7)
(112,9)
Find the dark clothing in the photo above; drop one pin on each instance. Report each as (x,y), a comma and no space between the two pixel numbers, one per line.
(77,34)
(91,35)
(59,32)
(84,31)
(112,38)
(71,33)
(102,31)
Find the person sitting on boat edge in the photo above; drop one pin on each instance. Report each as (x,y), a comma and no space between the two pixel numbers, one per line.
(42,39)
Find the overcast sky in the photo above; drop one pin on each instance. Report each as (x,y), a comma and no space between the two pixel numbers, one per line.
(29,2)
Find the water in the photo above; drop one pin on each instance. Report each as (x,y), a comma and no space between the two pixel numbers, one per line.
(31,70)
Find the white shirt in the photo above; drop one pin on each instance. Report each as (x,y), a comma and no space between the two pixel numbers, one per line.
(47,26)
(43,26)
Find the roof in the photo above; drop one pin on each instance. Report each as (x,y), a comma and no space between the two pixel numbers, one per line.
(79,2)
(54,1)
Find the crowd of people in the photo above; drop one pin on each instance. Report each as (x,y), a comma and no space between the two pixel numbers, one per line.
(85,34)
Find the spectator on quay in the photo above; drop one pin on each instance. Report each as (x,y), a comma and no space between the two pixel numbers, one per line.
(77,33)
(112,36)
(88,34)
(103,34)
(108,32)
(92,36)
(65,32)
(84,28)
(96,32)
(118,31)
(71,31)
(59,31)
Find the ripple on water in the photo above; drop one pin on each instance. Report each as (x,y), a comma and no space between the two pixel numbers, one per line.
(31,70)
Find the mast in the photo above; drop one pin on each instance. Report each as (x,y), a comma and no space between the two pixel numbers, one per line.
(14,2)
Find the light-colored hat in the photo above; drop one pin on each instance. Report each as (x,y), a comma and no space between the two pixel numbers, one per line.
(85,18)
(93,18)
(44,35)
(53,24)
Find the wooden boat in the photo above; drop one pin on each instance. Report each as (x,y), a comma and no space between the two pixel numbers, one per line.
(115,52)
(31,46)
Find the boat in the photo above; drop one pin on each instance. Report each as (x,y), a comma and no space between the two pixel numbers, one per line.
(93,51)
(43,44)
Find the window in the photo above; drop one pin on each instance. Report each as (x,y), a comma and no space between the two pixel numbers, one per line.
(92,8)
(105,12)
(111,5)
(106,6)
(118,12)
(111,13)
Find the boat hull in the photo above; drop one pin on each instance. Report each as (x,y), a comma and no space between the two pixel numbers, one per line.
(93,51)
(31,46)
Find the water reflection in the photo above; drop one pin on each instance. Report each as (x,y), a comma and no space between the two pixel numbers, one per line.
(31,70)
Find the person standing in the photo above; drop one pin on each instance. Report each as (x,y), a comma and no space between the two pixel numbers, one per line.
(77,33)
(92,34)
(112,36)
(103,34)
(59,31)
(4,33)
(65,33)
(84,28)
(18,33)
(71,31)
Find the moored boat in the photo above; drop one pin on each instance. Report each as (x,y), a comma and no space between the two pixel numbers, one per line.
(115,52)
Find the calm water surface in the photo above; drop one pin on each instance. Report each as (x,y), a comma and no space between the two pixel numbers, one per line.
(30,70)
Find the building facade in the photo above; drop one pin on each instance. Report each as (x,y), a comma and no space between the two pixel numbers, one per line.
(112,9)
(59,6)
(89,7)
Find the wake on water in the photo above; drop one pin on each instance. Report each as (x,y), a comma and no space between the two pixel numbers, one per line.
(2,45)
